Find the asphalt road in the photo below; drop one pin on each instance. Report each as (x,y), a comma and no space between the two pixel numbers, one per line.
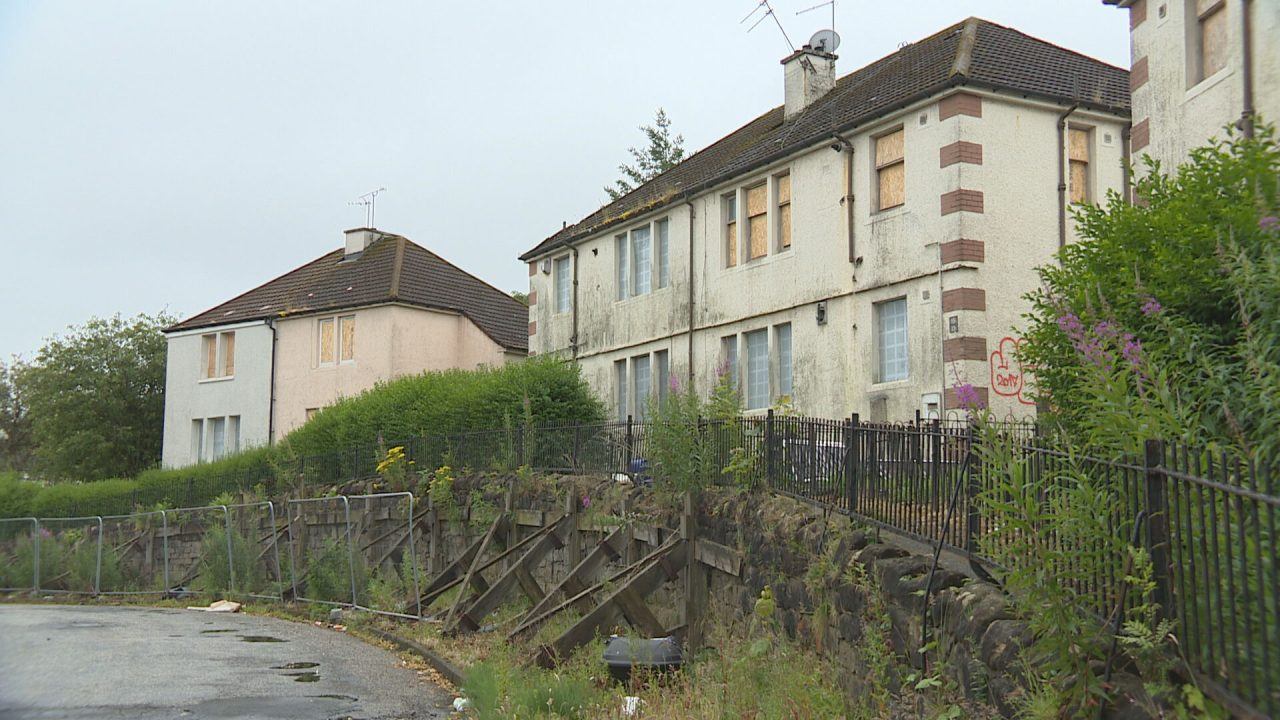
(110,662)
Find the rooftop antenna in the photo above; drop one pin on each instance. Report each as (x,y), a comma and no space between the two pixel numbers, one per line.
(768,12)
(369,201)
(832,3)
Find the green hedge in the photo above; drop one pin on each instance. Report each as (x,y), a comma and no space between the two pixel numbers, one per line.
(431,404)
(441,403)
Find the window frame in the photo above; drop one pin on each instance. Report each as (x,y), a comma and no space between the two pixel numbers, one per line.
(759,361)
(881,347)
(880,167)
(336,323)
(762,187)
(782,224)
(785,370)
(621,392)
(1197,28)
(626,271)
(641,271)
(562,287)
(662,371)
(729,225)
(641,398)
(321,324)
(217,355)
(1086,134)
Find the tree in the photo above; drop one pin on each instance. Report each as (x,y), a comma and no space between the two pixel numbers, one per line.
(521,297)
(95,398)
(15,423)
(1174,299)
(663,153)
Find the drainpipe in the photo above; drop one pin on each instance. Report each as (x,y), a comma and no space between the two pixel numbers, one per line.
(1062,175)
(839,143)
(1126,158)
(693,213)
(1246,70)
(271,403)
(573,339)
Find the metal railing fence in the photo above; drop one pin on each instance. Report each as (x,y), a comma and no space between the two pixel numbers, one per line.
(1207,521)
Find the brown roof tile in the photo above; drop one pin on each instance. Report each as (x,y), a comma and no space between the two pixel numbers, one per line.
(974,52)
(391,269)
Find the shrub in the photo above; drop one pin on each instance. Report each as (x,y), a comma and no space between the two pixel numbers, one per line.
(215,572)
(1190,275)
(16,495)
(329,573)
(450,401)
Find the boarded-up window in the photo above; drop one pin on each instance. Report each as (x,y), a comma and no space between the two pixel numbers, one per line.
(209,348)
(890,170)
(1212,19)
(730,204)
(228,354)
(784,211)
(326,341)
(347,346)
(757,221)
(1078,155)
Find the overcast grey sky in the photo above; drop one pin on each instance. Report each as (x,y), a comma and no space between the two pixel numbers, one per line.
(170,154)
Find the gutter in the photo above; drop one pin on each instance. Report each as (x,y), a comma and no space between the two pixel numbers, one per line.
(1246,70)
(695,190)
(1062,175)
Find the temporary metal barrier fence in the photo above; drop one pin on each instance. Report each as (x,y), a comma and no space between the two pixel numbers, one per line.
(70,559)
(17,553)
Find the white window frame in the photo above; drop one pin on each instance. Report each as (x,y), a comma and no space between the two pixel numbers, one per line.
(641,391)
(662,374)
(562,279)
(901,341)
(758,362)
(782,341)
(626,270)
(641,262)
(223,344)
(336,321)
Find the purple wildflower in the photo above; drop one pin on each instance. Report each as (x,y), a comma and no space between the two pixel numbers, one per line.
(1106,329)
(673,383)
(586,502)
(1070,324)
(1151,306)
(968,397)
(1268,223)
(1132,351)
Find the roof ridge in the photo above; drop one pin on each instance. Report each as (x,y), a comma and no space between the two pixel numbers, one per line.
(397,266)
(964,50)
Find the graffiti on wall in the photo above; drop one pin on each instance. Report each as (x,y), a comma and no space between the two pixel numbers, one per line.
(1008,378)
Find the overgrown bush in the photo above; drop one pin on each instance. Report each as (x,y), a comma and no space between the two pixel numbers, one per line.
(451,401)
(215,572)
(684,450)
(328,573)
(16,495)
(1187,279)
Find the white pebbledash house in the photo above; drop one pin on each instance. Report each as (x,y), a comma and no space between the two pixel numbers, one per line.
(248,371)
(863,247)
(1198,66)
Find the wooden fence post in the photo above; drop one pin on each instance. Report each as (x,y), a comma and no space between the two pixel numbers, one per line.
(695,578)
(573,543)
(1158,526)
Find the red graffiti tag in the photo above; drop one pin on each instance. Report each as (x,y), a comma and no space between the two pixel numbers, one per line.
(1007,376)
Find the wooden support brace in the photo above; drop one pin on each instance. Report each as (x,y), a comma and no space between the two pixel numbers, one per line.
(623,601)
(607,550)
(473,577)
(584,600)
(517,574)
(438,588)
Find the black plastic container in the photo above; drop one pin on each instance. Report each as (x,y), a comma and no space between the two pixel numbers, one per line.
(626,654)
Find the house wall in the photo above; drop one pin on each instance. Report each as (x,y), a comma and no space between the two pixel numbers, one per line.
(1172,114)
(898,253)
(188,397)
(390,341)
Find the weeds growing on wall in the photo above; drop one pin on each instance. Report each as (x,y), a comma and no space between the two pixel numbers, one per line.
(680,444)
(328,573)
(215,573)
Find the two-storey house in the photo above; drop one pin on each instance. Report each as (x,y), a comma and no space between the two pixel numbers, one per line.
(862,248)
(248,371)
(1198,66)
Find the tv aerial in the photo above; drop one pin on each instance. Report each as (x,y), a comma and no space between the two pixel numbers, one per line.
(369,202)
(768,13)
(825,40)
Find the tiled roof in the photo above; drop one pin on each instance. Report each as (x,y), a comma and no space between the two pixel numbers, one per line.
(974,52)
(391,269)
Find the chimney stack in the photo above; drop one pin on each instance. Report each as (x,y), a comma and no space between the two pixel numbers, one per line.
(358,239)
(809,74)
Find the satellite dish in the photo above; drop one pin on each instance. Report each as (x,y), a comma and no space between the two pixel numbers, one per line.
(825,40)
